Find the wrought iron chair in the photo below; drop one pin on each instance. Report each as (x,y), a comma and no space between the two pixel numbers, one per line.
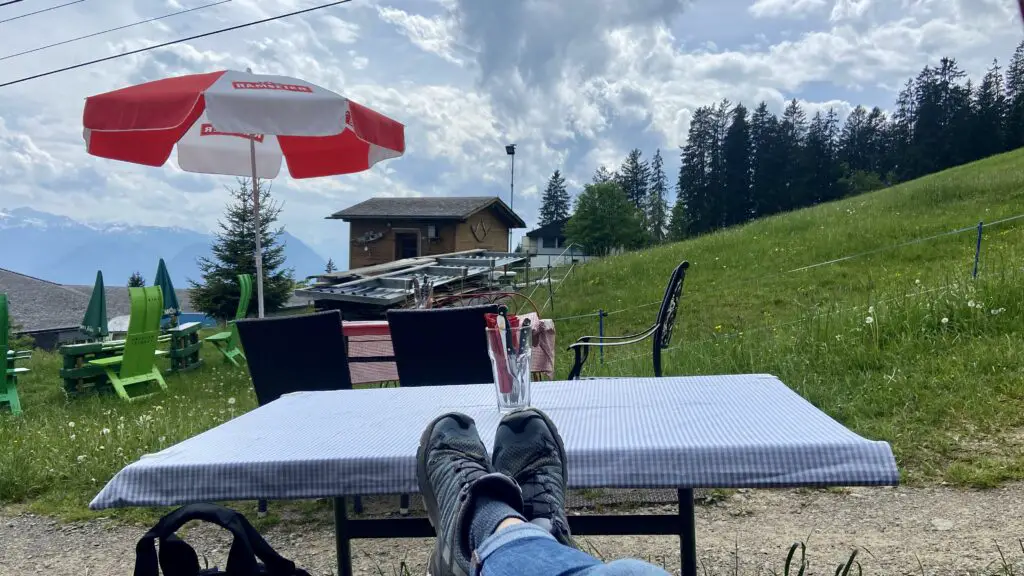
(661,331)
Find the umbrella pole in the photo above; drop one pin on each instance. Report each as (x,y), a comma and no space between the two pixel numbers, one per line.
(256,223)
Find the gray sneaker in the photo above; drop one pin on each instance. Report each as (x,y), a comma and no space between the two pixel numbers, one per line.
(528,449)
(452,468)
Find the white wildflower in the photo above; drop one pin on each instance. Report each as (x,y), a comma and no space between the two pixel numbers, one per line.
(105,431)
(871,309)
(869,320)
(71,424)
(970,303)
(945,320)
(73,436)
(231,400)
(81,457)
(996,311)
(917,281)
(161,439)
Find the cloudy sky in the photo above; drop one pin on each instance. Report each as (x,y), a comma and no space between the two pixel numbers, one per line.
(575,83)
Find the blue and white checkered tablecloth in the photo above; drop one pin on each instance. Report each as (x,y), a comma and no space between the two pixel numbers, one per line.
(709,431)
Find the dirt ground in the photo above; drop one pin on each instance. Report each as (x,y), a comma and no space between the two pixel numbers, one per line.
(899,531)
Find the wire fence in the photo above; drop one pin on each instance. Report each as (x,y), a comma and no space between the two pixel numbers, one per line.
(978,228)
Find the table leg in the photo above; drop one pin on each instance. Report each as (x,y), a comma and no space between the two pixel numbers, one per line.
(687,533)
(341,539)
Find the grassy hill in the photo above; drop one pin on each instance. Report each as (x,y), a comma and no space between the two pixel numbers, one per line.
(947,393)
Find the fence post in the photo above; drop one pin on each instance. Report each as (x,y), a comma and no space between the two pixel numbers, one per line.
(551,291)
(977,248)
(600,331)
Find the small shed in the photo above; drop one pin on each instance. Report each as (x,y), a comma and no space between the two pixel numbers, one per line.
(388,229)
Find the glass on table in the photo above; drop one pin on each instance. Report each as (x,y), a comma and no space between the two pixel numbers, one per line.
(510,352)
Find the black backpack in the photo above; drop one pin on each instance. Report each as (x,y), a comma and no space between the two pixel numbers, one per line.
(177,558)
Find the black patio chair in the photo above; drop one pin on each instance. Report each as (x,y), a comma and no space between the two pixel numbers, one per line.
(441,346)
(661,331)
(304,353)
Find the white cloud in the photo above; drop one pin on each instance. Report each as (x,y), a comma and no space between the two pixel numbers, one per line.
(575,83)
(785,8)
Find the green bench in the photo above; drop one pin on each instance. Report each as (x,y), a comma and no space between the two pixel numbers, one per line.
(137,363)
(8,372)
(227,342)
(80,376)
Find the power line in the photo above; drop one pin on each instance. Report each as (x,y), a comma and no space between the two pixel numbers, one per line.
(146,21)
(41,11)
(2,4)
(172,42)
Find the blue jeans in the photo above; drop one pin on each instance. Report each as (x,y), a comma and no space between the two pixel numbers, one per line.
(529,550)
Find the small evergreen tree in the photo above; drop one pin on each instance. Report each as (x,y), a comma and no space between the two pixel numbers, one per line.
(657,205)
(330,266)
(633,178)
(555,202)
(234,253)
(136,280)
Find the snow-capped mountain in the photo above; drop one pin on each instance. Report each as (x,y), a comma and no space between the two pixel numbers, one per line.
(63,250)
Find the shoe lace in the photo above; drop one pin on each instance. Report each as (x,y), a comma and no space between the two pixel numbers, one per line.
(538,488)
(473,470)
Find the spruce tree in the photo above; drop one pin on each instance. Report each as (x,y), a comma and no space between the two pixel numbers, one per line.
(737,193)
(136,280)
(657,204)
(602,175)
(330,268)
(1015,100)
(234,253)
(555,202)
(633,178)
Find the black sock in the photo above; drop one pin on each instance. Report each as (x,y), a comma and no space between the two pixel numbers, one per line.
(487,515)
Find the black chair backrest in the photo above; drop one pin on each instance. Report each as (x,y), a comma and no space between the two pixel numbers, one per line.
(441,346)
(295,354)
(669,307)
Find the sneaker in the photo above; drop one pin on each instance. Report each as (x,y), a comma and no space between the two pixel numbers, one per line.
(452,468)
(528,449)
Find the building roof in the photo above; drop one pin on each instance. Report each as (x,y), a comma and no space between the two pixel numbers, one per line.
(428,208)
(551,230)
(39,305)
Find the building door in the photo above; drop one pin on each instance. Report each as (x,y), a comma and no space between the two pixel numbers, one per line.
(407,245)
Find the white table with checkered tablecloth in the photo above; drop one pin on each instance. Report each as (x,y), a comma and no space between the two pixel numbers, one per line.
(740,431)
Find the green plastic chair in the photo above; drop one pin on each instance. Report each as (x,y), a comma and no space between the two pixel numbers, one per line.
(9,383)
(227,342)
(137,365)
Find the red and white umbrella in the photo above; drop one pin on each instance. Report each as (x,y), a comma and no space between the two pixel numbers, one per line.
(240,124)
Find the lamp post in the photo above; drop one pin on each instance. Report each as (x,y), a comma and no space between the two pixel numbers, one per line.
(510,149)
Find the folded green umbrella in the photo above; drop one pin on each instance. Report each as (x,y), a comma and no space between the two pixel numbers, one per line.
(94,324)
(163,280)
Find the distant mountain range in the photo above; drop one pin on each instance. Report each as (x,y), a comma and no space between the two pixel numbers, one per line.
(63,250)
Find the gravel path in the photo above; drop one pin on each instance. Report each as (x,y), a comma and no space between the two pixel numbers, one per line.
(951,531)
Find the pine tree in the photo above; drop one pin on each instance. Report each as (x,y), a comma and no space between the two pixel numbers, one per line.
(136,280)
(989,123)
(900,136)
(657,204)
(633,178)
(879,159)
(330,268)
(602,175)
(555,202)
(738,189)
(234,254)
(853,142)
(694,185)
(766,170)
(792,132)
(1015,100)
